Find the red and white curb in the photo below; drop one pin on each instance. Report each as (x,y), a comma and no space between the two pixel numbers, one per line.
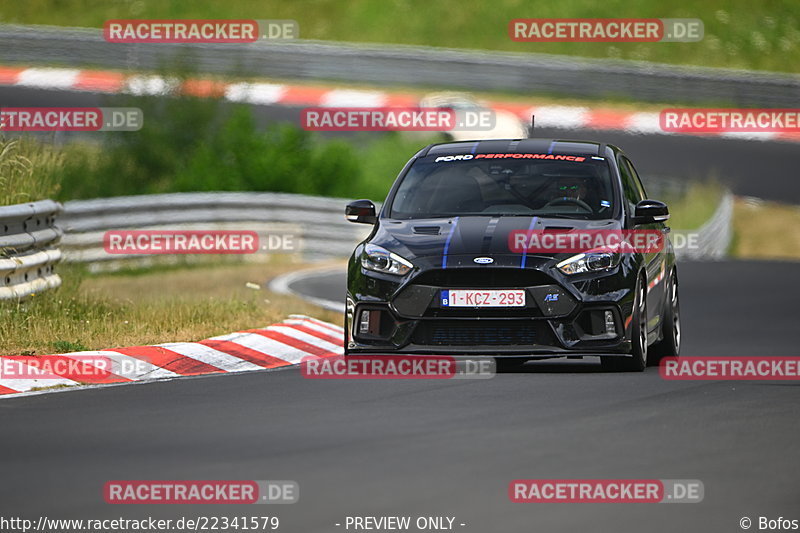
(284,344)
(280,94)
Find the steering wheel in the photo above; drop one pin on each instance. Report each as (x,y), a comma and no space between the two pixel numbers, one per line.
(569,200)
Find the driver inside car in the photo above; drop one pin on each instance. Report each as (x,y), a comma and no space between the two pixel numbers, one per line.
(572,190)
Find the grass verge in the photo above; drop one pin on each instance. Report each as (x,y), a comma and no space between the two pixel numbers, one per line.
(693,209)
(130,309)
(28,171)
(765,230)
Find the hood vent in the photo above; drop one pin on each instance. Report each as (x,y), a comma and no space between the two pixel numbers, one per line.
(427,230)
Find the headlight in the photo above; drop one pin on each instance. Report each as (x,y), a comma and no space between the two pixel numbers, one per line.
(589,262)
(382,260)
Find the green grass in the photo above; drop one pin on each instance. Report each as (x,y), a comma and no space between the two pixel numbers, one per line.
(761,35)
(107,311)
(67,346)
(765,230)
(28,171)
(696,207)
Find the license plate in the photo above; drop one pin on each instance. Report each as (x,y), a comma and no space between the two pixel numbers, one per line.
(483,298)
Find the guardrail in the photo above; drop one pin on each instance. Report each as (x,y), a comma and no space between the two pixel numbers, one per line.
(317,224)
(412,65)
(713,237)
(28,253)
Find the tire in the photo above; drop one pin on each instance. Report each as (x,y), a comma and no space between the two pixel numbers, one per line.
(670,343)
(345,339)
(638,361)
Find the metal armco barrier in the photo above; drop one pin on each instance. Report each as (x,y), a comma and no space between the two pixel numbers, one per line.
(713,237)
(28,253)
(317,224)
(412,65)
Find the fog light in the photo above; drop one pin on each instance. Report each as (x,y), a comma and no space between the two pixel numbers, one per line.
(363,324)
(611,328)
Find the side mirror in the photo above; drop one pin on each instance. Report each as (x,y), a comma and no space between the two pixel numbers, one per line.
(650,211)
(362,211)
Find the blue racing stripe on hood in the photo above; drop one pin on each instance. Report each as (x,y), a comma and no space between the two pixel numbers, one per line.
(447,242)
(525,252)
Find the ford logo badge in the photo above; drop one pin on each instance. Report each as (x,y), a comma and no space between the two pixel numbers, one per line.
(483,260)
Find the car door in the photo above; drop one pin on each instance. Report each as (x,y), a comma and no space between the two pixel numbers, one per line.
(656,261)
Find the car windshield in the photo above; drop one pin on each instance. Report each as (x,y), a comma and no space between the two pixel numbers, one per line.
(532,184)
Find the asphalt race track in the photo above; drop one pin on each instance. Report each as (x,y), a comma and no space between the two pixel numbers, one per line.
(429,447)
(450,448)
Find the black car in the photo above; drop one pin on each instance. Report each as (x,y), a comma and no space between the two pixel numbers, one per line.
(437,274)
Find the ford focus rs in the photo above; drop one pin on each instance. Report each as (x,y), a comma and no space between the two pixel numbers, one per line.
(456,262)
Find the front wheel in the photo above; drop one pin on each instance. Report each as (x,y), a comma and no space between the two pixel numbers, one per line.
(345,337)
(638,360)
(670,343)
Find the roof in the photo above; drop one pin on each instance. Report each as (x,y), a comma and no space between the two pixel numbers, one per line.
(493,146)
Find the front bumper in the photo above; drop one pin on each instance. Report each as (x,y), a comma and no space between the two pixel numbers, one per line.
(562,316)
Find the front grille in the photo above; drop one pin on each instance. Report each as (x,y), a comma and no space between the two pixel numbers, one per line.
(482,333)
(484,312)
(484,278)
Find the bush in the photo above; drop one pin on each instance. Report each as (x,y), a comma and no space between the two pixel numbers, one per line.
(190,144)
